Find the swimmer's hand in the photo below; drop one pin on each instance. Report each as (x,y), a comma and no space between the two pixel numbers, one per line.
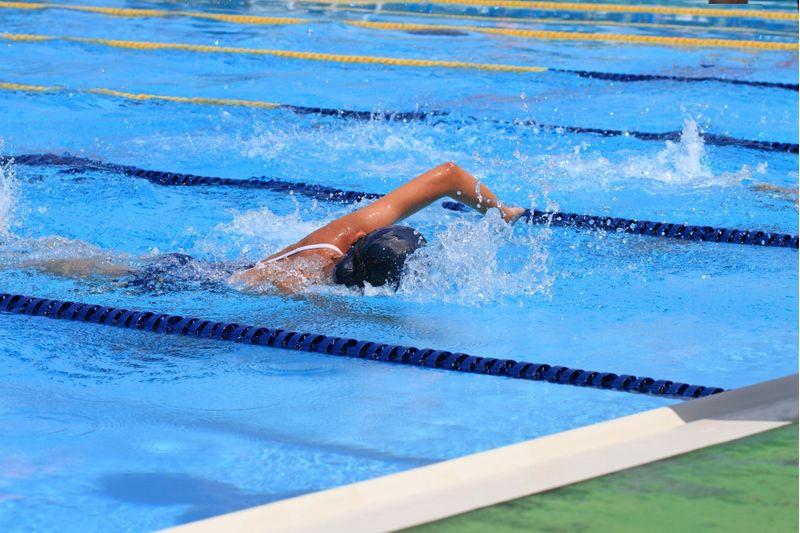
(512,214)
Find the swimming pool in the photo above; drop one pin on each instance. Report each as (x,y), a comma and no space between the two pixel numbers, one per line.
(108,428)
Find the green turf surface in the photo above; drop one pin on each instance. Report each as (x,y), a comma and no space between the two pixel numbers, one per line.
(749,485)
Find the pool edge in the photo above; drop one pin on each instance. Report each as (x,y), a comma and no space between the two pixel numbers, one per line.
(471,482)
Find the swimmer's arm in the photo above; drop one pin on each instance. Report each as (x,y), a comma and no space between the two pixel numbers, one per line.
(446,180)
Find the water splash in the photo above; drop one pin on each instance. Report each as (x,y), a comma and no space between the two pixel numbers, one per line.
(8,196)
(681,163)
(479,262)
(361,150)
(684,164)
(258,233)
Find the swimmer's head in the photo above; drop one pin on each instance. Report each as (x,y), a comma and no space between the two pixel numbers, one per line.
(378,257)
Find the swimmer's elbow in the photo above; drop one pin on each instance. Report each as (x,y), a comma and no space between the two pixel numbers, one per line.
(447,175)
(450,168)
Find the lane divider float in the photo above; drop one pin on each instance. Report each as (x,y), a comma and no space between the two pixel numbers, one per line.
(584,36)
(668,230)
(541,6)
(155,13)
(394,26)
(700,24)
(344,347)
(380,60)
(440,117)
(585,7)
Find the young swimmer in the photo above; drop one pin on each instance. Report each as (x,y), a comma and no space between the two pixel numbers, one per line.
(364,246)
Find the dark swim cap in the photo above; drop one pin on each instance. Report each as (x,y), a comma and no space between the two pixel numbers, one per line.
(378,258)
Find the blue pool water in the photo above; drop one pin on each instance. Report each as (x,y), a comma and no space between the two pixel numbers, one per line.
(105,429)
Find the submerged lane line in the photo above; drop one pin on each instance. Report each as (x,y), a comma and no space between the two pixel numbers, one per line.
(581,36)
(531,34)
(313,56)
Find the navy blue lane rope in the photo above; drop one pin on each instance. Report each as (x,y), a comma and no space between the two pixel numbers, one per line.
(444,116)
(652,229)
(612,76)
(320,192)
(419,116)
(400,116)
(346,347)
(708,138)
(81,164)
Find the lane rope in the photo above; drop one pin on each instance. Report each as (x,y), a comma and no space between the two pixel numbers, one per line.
(377,60)
(443,116)
(156,13)
(582,7)
(531,34)
(311,56)
(344,347)
(677,25)
(649,228)
(583,36)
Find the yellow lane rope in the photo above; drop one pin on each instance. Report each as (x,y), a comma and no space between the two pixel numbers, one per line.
(129,12)
(579,36)
(576,6)
(534,34)
(247,19)
(314,56)
(31,88)
(527,20)
(185,99)
(143,96)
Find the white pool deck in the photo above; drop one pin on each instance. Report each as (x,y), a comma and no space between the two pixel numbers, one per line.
(460,485)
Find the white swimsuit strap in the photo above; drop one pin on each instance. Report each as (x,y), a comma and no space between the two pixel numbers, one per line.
(320,246)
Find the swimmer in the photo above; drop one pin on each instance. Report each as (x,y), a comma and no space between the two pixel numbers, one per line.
(365,246)
(359,248)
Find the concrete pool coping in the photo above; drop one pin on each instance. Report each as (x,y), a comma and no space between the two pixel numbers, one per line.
(479,480)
